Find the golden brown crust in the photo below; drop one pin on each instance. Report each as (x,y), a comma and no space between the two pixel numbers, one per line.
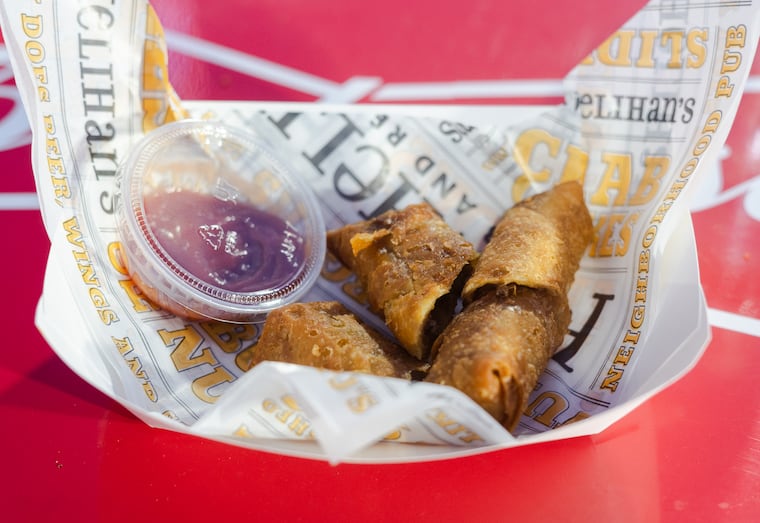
(517,313)
(329,336)
(537,243)
(496,349)
(409,263)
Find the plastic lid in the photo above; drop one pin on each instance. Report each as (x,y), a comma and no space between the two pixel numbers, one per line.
(214,225)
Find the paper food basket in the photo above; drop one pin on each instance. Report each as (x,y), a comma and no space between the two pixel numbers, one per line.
(644,114)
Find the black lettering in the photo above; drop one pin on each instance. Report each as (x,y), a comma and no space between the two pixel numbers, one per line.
(98,100)
(396,136)
(392,200)
(465,205)
(424,164)
(456,131)
(89,42)
(345,177)
(106,202)
(95,132)
(101,16)
(442,182)
(669,111)
(583,101)
(379,120)
(283,123)
(600,107)
(688,108)
(618,105)
(636,108)
(335,142)
(566,354)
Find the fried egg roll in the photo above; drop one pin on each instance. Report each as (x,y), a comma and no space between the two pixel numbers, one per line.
(327,335)
(495,350)
(537,243)
(517,310)
(412,266)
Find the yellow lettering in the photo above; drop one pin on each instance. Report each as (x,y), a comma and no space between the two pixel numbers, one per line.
(43,95)
(662,210)
(711,125)
(149,391)
(98,298)
(186,343)
(725,88)
(107,316)
(675,38)
(646,54)
(555,404)
(623,356)
(35,51)
(440,418)
(655,168)
(40,74)
(702,144)
(123,345)
(361,403)
(299,425)
(576,165)
(55,165)
(203,387)
(135,365)
(31,25)
(139,302)
(641,290)
(116,259)
(612,235)
(52,146)
(731,61)
(632,337)
(644,258)
(73,235)
(695,43)
(616,179)
(49,123)
(230,337)
(525,146)
(649,235)
(242,432)
(736,36)
(616,50)
(343,382)
(637,317)
(290,402)
(612,379)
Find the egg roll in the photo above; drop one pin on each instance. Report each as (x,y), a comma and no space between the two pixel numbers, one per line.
(496,349)
(328,336)
(537,243)
(412,266)
(516,310)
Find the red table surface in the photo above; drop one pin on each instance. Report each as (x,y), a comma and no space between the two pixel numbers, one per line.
(692,453)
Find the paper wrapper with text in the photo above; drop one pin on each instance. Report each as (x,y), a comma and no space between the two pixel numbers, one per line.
(644,114)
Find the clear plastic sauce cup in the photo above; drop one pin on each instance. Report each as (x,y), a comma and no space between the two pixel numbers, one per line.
(214,226)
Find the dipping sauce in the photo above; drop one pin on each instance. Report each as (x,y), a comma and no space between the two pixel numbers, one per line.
(214,223)
(226,243)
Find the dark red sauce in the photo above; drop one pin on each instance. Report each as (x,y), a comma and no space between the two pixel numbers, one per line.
(226,243)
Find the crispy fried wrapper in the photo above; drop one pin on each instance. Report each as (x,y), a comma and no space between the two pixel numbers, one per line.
(412,266)
(329,336)
(495,350)
(538,243)
(517,313)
